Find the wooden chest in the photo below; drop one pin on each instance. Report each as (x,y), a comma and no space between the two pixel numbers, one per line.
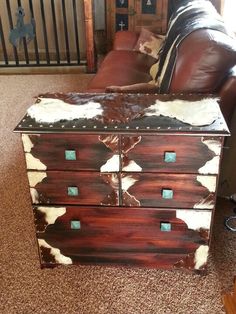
(123,179)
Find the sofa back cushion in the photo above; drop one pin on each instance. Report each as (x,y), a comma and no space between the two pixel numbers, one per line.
(204,59)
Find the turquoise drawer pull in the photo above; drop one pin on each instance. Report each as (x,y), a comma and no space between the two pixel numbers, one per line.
(170,157)
(167,194)
(165,226)
(75,224)
(72,191)
(70,154)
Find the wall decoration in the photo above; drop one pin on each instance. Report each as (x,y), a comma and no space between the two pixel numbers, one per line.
(22,30)
(148,6)
(122,22)
(122,3)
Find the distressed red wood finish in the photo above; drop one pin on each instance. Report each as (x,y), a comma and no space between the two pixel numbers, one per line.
(124,187)
(91,151)
(188,192)
(191,152)
(92,188)
(103,231)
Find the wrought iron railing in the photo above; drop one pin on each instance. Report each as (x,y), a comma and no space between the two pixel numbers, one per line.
(42,33)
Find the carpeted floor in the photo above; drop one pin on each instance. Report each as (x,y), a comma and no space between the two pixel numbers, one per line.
(25,288)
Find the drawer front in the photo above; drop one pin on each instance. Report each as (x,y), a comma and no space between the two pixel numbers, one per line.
(167,153)
(168,190)
(66,187)
(161,238)
(71,152)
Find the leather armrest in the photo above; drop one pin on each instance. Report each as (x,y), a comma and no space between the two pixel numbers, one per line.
(228,96)
(125,40)
(134,88)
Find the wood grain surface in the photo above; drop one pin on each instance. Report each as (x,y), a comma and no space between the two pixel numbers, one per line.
(91,152)
(147,190)
(93,188)
(119,235)
(149,152)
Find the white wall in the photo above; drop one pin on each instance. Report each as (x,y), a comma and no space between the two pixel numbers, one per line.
(229,11)
(99,14)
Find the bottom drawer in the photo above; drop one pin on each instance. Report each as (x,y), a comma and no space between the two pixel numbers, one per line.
(158,238)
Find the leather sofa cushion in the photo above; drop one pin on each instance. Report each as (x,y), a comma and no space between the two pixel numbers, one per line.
(125,40)
(122,68)
(204,59)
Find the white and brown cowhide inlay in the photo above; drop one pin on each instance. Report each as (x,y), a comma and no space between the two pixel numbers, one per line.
(131,166)
(128,143)
(112,180)
(211,166)
(119,108)
(208,182)
(195,220)
(113,163)
(51,213)
(200,257)
(208,202)
(55,253)
(110,141)
(128,180)
(31,161)
(196,260)
(34,178)
(196,113)
(50,110)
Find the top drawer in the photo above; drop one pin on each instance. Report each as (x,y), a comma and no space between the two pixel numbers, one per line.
(171,153)
(70,151)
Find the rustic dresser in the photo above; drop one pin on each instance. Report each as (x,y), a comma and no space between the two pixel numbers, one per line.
(123,179)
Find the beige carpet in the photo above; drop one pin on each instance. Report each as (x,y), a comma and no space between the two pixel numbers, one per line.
(25,288)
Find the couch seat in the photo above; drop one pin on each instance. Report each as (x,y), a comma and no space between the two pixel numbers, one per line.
(129,67)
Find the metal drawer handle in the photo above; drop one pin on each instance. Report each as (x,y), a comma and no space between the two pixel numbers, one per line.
(70,154)
(165,226)
(75,224)
(167,193)
(170,156)
(72,191)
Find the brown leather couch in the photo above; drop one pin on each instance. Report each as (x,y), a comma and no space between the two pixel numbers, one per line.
(205,64)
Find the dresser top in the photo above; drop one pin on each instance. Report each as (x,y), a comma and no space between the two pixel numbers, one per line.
(124,113)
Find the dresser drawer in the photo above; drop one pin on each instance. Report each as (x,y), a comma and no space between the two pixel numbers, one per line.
(101,234)
(70,151)
(171,153)
(168,190)
(66,187)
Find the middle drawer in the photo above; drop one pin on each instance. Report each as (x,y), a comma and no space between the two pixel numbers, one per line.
(67,187)
(126,189)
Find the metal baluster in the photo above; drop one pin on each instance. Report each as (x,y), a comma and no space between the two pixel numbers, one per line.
(66,31)
(24,41)
(45,31)
(35,38)
(55,31)
(11,26)
(76,31)
(3,43)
